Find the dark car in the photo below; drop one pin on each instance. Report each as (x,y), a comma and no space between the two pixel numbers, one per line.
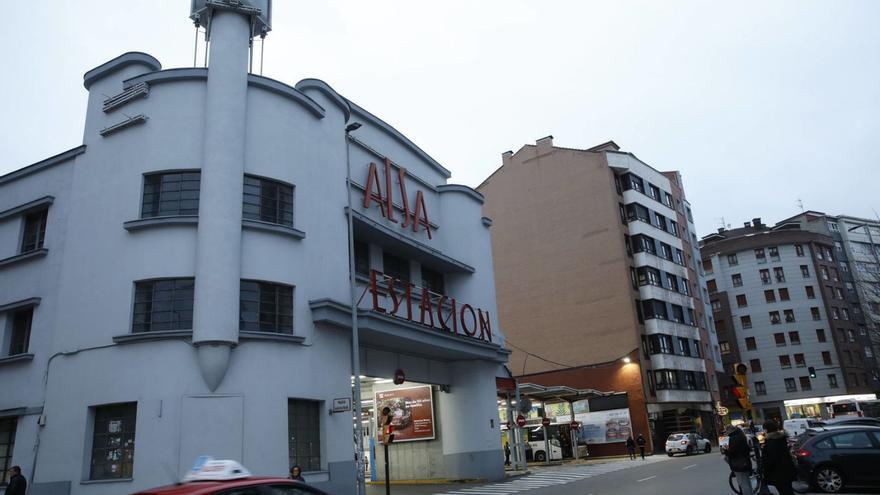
(832,458)
(852,421)
(246,486)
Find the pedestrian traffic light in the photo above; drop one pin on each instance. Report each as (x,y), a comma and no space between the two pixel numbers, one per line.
(385,420)
(812,372)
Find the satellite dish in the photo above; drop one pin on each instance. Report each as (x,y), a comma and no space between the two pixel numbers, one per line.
(525,405)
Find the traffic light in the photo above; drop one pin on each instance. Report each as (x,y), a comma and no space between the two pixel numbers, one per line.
(812,372)
(384,421)
(741,391)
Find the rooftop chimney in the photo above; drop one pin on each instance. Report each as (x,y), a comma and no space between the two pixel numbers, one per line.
(756,222)
(545,145)
(747,224)
(506,156)
(720,230)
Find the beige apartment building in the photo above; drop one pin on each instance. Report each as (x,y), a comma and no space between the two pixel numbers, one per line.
(596,263)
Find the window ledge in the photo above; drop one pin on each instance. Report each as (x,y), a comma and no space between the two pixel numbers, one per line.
(20,258)
(273,227)
(146,223)
(279,337)
(18,358)
(114,480)
(147,336)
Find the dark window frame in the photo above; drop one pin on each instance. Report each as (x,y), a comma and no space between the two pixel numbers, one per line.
(153,185)
(8,428)
(34,231)
(304,425)
(120,442)
(272,307)
(181,308)
(272,204)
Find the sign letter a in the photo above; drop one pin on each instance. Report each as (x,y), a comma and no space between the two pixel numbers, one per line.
(370,194)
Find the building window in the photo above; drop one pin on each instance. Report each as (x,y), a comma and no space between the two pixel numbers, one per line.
(34,231)
(774,318)
(737,280)
(833,226)
(746,321)
(789,315)
(851,336)
(724,346)
(794,337)
(760,256)
(774,253)
(832,380)
(712,286)
(811,294)
(769,296)
(790,385)
(731,260)
(741,301)
(304,434)
(838,293)
(267,200)
(653,308)
(755,365)
(780,339)
(785,361)
(844,313)
(162,305)
(765,277)
(814,312)
(799,360)
(835,313)
(805,271)
(779,273)
(798,250)
(805,383)
(707,265)
(653,192)
(824,271)
(266,307)
(7,444)
(171,194)
(20,337)
(396,267)
(820,335)
(361,258)
(113,442)
(826,358)
(783,294)
(622,213)
(433,281)
(751,344)
(760,388)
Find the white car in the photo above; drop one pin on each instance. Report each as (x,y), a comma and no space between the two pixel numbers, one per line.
(687,443)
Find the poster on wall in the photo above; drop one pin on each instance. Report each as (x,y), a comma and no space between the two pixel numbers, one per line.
(610,426)
(412,410)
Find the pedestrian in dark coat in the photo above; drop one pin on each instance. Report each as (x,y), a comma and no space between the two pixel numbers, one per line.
(17,484)
(641,442)
(739,457)
(631,448)
(777,465)
(507,454)
(296,474)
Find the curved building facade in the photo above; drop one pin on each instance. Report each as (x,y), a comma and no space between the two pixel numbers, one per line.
(179,285)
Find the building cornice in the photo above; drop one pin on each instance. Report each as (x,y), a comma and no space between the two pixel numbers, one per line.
(41,165)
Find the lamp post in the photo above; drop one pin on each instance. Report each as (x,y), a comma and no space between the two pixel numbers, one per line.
(355,337)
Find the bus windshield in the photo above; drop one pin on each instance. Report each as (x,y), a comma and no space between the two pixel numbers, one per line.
(845,409)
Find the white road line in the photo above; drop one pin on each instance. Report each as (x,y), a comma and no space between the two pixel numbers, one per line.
(688,467)
(646,479)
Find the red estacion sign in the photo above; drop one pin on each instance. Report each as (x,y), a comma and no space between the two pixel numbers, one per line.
(434,310)
(373,192)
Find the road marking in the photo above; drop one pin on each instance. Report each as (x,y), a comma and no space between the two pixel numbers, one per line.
(646,479)
(688,467)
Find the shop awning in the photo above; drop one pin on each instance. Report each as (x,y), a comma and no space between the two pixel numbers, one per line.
(559,392)
(384,332)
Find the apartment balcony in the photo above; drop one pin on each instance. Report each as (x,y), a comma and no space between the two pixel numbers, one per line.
(672,361)
(683,396)
(668,327)
(647,259)
(653,292)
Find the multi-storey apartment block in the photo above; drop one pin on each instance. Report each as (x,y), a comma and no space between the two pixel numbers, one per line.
(781,308)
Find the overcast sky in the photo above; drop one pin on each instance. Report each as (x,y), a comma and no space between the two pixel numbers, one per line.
(759,104)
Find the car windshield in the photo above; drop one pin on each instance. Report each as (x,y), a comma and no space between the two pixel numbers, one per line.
(677,436)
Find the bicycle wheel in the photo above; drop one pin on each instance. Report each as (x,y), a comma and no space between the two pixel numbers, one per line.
(734,485)
(754,480)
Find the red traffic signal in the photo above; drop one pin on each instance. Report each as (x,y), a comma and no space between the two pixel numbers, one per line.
(575,425)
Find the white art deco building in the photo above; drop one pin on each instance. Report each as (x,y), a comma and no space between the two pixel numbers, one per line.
(179,284)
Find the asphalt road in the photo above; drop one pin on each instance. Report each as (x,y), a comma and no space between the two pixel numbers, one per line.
(704,474)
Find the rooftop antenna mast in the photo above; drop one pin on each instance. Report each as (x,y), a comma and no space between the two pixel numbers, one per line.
(196,22)
(800,205)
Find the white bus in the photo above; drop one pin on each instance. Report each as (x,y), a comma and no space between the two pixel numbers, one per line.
(852,407)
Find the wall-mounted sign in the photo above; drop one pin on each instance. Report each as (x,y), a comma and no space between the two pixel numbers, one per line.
(373,191)
(434,310)
(341,405)
(412,410)
(610,426)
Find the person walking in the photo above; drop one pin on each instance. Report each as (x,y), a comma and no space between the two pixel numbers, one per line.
(641,443)
(507,453)
(17,484)
(296,474)
(631,447)
(777,466)
(739,459)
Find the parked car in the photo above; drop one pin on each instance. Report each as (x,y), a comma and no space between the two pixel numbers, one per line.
(687,444)
(794,427)
(831,458)
(853,421)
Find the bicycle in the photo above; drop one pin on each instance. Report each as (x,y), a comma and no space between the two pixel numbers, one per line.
(755,479)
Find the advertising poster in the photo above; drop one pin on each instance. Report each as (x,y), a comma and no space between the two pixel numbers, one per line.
(413,412)
(611,426)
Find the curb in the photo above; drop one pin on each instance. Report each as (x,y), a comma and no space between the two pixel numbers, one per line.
(430,481)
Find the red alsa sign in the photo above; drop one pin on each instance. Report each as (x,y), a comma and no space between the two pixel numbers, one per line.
(428,308)
(373,191)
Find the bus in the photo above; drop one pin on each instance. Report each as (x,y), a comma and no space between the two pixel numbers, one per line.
(852,407)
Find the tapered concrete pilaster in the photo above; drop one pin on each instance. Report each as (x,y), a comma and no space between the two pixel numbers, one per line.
(218,255)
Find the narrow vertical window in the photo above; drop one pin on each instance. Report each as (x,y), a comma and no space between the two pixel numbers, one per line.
(34,231)
(7,444)
(304,434)
(113,442)
(20,337)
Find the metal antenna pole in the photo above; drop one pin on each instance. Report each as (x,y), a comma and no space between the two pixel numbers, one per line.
(262,49)
(196,45)
(355,337)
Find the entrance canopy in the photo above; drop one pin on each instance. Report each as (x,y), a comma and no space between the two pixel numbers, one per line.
(559,393)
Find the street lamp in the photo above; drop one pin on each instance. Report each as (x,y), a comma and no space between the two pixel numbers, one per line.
(355,337)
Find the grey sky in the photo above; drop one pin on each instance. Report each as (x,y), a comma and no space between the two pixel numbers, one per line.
(758,104)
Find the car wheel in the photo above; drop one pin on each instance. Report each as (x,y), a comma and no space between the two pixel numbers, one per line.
(828,479)
(690,450)
(540,456)
(708,448)
(669,454)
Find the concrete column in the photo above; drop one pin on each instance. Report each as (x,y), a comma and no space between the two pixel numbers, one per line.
(218,255)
